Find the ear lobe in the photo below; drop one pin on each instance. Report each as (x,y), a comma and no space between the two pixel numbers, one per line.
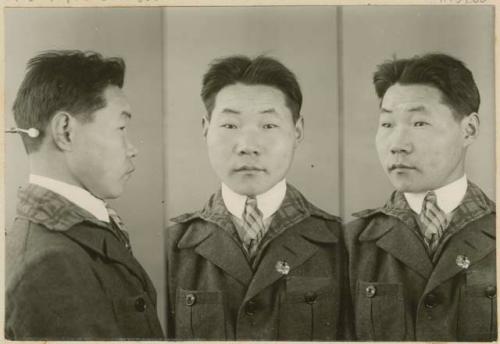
(62,127)
(205,123)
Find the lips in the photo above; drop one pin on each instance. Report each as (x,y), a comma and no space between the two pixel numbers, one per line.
(400,167)
(249,168)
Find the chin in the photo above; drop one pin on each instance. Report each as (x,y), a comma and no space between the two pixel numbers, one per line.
(247,190)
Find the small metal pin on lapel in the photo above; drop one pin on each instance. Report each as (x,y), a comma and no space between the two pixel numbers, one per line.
(463,261)
(282,267)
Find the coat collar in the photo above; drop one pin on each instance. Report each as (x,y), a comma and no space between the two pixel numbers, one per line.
(47,208)
(474,205)
(295,245)
(293,209)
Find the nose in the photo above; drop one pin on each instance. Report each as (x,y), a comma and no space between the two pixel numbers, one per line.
(401,142)
(132,151)
(248,144)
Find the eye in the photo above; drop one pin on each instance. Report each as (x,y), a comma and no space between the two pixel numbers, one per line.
(386,125)
(228,126)
(420,124)
(269,126)
(122,128)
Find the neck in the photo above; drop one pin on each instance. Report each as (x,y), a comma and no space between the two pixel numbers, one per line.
(52,166)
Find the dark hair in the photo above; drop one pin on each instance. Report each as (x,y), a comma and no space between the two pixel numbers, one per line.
(63,80)
(261,70)
(444,72)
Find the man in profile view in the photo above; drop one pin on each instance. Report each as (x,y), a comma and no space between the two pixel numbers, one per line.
(70,271)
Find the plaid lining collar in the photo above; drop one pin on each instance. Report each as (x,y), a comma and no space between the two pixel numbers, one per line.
(293,209)
(474,205)
(51,210)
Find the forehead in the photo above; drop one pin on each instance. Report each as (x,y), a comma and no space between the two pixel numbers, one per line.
(405,97)
(250,98)
(116,99)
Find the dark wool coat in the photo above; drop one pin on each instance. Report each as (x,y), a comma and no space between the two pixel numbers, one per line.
(399,293)
(69,278)
(214,294)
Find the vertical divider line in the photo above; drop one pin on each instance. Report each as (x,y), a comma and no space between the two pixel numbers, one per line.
(340,112)
(163,313)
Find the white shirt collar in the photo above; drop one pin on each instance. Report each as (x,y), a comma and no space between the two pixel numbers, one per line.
(75,194)
(448,196)
(268,202)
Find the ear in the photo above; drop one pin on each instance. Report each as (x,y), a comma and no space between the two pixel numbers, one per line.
(470,128)
(205,123)
(299,130)
(62,129)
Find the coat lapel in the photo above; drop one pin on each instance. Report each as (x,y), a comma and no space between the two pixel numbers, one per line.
(295,246)
(474,242)
(394,237)
(215,245)
(101,240)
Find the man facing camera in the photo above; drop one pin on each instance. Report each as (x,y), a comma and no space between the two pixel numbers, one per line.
(258,262)
(71,274)
(422,267)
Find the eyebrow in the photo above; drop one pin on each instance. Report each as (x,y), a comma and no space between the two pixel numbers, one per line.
(127,114)
(235,112)
(231,111)
(271,110)
(419,108)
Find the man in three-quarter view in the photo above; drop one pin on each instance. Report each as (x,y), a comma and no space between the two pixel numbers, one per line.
(70,271)
(422,267)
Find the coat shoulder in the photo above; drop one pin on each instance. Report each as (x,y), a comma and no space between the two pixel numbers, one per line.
(353,229)
(32,248)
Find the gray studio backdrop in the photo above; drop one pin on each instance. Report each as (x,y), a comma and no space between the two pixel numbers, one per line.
(333,52)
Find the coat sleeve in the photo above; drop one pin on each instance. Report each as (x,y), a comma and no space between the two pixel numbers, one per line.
(56,295)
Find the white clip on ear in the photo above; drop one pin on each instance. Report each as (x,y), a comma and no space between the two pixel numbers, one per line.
(31,132)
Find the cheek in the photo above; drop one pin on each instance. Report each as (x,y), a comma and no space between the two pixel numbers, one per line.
(218,146)
(381,146)
(280,149)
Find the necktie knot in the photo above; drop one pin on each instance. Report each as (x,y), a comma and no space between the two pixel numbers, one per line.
(429,199)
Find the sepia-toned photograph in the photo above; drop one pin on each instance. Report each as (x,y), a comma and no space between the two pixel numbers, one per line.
(250,173)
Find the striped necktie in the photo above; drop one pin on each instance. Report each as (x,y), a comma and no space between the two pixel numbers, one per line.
(434,221)
(254,226)
(118,228)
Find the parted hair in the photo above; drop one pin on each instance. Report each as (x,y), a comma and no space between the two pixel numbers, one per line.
(63,80)
(444,72)
(261,70)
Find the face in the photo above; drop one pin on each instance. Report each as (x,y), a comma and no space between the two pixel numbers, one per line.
(420,144)
(251,137)
(101,156)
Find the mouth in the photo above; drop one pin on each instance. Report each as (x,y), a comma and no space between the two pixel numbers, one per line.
(400,167)
(129,172)
(249,169)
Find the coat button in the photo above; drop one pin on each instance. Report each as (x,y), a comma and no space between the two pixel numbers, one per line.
(250,307)
(140,304)
(491,291)
(310,297)
(370,291)
(431,300)
(190,299)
